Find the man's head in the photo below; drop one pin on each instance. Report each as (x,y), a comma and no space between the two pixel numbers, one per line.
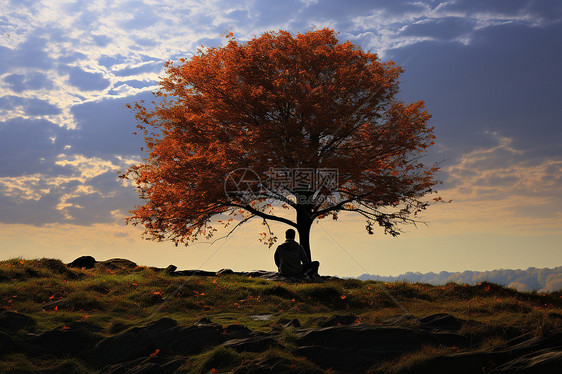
(290,234)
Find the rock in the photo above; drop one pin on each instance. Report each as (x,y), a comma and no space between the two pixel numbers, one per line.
(441,321)
(86,262)
(336,320)
(461,363)
(170,269)
(117,327)
(145,365)
(84,325)
(344,360)
(396,320)
(206,322)
(543,362)
(363,345)
(252,344)
(117,264)
(193,340)
(553,341)
(276,365)
(63,366)
(62,341)
(163,335)
(390,339)
(172,365)
(293,323)
(275,276)
(131,344)
(260,273)
(6,343)
(148,368)
(237,332)
(435,322)
(202,273)
(57,266)
(164,347)
(12,321)
(521,355)
(224,272)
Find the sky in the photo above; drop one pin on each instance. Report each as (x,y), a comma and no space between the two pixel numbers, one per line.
(489,72)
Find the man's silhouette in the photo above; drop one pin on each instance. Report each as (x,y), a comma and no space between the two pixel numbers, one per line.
(291,259)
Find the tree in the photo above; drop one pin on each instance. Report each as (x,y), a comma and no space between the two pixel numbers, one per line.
(280,108)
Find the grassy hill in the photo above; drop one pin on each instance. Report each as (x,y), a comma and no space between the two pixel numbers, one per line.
(95,309)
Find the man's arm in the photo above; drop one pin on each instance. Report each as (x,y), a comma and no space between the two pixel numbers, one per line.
(304,257)
(276,257)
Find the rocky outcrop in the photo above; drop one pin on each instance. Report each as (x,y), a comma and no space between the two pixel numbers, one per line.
(344,346)
(116,264)
(270,275)
(85,262)
(364,345)
(12,321)
(119,264)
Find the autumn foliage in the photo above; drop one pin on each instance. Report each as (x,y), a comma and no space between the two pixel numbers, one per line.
(277,102)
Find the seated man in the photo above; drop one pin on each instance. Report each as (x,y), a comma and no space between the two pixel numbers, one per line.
(290,255)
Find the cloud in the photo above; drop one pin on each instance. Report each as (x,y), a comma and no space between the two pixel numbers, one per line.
(106,127)
(71,57)
(553,283)
(87,167)
(500,188)
(142,18)
(32,53)
(88,192)
(29,212)
(109,61)
(30,106)
(446,28)
(37,107)
(146,67)
(102,40)
(28,146)
(483,68)
(387,10)
(70,173)
(28,81)
(504,90)
(87,81)
(541,10)
(136,83)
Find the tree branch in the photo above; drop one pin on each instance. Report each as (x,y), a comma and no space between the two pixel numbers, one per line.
(263,215)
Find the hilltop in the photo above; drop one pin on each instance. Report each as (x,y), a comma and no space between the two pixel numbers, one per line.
(118,317)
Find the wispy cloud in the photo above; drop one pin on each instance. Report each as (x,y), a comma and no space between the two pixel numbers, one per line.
(502,188)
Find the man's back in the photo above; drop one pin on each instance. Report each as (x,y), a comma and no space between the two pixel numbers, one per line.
(288,258)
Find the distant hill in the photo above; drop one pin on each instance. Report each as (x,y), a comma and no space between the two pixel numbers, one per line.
(532,279)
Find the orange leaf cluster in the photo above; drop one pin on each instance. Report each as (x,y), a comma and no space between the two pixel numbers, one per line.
(288,101)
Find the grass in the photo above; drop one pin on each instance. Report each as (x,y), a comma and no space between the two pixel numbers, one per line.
(117,299)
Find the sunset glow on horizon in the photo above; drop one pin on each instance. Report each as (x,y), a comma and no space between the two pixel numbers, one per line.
(488,73)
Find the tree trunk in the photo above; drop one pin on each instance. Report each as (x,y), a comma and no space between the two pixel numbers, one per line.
(304,223)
